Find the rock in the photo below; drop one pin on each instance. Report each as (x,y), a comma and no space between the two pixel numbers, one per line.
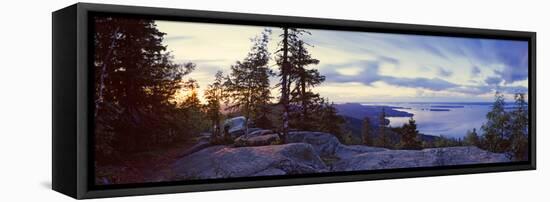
(225,161)
(348,151)
(258,132)
(235,126)
(270,172)
(314,152)
(326,144)
(198,146)
(204,137)
(258,137)
(389,159)
(260,140)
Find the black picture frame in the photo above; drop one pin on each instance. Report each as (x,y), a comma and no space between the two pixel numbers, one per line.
(72,83)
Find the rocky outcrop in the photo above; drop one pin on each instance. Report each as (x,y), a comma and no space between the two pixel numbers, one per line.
(201,144)
(314,152)
(258,140)
(225,161)
(326,144)
(417,158)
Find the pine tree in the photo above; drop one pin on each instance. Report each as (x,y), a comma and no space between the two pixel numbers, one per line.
(383,139)
(441,141)
(329,120)
(304,80)
(410,136)
(472,138)
(191,110)
(366,132)
(140,72)
(136,80)
(519,128)
(215,95)
(292,59)
(192,99)
(248,83)
(496,129)
(284,73)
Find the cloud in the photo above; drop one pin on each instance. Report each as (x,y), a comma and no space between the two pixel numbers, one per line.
(514,56)
(388,60)
(176,38)
(473,90)
(444,73)
(475,70)
(493,80)
(513,89)
(369,73)
(435,84)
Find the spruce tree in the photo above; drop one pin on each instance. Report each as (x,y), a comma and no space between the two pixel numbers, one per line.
(136,80)
(366,131)
(472,138)
(330,121)
(519,128)
(248,82)
(284,67)
(296,97)
(215,94)
(496,129)
(383,139)
(304,80)
(410,136)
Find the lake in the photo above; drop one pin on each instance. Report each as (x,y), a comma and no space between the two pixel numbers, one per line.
(447,119)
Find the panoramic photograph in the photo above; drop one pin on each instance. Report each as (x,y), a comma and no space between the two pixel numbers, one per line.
(182,101)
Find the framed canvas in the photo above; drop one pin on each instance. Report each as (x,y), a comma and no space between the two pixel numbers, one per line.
(156,100)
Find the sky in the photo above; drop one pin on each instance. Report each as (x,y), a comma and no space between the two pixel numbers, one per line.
(367,67)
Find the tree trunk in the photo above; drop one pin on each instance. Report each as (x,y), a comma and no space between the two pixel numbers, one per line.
(284,83)
(303,90)
(103,73)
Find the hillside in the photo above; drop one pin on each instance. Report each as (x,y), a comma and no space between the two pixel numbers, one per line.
(354,114)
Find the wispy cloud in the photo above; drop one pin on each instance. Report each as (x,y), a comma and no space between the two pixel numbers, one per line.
(444,73)
(175,38)
(384,65)
(493,80)
(370,73)
(475,70)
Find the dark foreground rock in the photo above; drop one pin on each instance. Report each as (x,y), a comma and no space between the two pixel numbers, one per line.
(314,152)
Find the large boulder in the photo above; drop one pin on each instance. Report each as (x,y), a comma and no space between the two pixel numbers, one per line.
(224,162)
(236,126)
(389,159)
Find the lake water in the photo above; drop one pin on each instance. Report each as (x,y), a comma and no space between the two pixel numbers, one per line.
(447,119)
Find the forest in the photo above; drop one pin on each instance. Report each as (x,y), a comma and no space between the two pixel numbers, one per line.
(139,121)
